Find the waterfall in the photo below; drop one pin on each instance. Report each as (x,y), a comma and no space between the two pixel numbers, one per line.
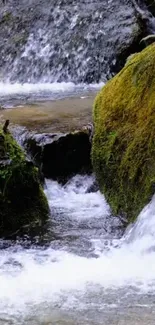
(57,41)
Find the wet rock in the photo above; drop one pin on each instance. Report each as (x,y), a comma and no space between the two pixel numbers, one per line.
(93,187)
(60,156)
(123,144)
(22,202)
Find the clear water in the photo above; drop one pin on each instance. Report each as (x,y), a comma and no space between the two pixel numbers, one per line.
(88,273)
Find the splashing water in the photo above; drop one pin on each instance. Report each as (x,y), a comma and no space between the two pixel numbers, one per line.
(88,266)
(21,93)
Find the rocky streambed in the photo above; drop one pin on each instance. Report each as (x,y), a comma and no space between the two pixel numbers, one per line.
(75,265)
(81,269)
(51,116)
(60,153)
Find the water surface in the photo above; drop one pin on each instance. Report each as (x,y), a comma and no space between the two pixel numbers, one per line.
(88,273)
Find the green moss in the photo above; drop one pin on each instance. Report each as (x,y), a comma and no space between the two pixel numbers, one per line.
(6,18)
(22,200)
(123,151)
(19,38)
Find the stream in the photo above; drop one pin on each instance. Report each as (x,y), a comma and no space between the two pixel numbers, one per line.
(83,270)
(87,272)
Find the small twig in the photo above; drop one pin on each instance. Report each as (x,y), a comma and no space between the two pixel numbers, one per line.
(5,127)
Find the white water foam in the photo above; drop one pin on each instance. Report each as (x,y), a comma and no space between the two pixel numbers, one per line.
(75,200)
(26,88)
(60,278)
(9,89)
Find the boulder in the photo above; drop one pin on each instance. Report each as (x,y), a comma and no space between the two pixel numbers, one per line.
(123,152)
(60,156)
(22,200)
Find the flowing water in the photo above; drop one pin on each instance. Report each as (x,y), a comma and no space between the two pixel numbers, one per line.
(88,273)
(84,270)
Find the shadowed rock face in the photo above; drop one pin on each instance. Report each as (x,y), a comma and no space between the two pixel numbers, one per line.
(61,40)
(60,156)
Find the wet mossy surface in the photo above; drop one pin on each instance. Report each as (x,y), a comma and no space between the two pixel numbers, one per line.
(22,201)
(123,152)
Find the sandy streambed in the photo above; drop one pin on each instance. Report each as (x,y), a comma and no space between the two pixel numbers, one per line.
(52,116)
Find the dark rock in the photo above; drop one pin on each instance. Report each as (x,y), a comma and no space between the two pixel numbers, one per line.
(93,188)
(144,15)
(150,5)
(60,156)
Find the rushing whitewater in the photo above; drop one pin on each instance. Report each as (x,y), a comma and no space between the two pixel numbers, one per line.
(85,266)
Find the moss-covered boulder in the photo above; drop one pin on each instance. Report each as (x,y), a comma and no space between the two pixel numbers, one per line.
(22,201)
(123,151)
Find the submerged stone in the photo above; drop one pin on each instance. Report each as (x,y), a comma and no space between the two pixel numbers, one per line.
(22,201)
(59,155)
(123,151)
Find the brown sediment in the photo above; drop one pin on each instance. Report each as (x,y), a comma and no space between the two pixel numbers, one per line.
(52,116)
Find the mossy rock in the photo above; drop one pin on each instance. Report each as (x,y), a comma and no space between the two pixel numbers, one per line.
(123,152)
(22,200)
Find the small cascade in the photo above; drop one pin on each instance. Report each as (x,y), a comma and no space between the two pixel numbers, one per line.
(142,234)
(84,269)
(56,41)
(87,269)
